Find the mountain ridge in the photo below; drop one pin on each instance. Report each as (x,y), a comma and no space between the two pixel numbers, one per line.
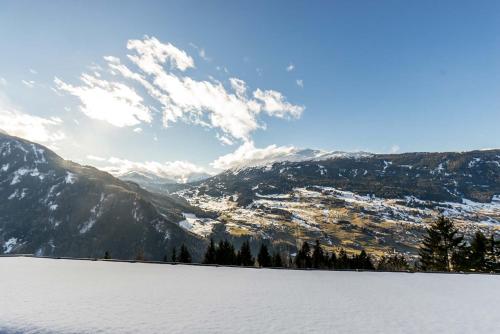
(51,206)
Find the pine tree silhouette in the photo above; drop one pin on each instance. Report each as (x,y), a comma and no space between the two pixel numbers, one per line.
(245,255)
(478,253)
(332,261)
(264,258)
(343,261)
(303,258)
(173,258)
(318,257)
(184,256)
(440,245)
(277,261)
(224,254)
(210,253)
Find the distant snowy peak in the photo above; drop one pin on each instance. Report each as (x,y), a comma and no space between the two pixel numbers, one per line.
(299,155)
(144,178)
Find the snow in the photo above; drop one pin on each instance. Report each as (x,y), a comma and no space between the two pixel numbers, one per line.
(64,296)
(25,171)
(95,213)
(70,178)
(386,165)
(199,226)
(474,162)
(277,196)
(9,245)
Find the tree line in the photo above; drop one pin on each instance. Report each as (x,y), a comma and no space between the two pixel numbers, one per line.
(443,249)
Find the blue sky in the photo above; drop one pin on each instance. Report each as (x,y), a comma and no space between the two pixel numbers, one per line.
(377,76)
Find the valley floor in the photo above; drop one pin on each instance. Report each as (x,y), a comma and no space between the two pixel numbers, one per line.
(66,296)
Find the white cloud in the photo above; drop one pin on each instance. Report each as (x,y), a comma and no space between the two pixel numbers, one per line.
(32,71)
(3,81)
(275,104)
(28,83)
(112,102)
(152,53)
(300,83)
(95,158)
(224,140)
(179,171)
(290,67)
(137,130)
(395,148)
(248,155)
(239,86)
(201,52)
(34,128)
(233,112)
(205,103)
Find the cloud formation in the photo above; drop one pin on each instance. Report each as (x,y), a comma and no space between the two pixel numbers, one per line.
(113,102)
(248,155)
(163,73)
(290,67)
(178,171)
(28,83)
(34,128)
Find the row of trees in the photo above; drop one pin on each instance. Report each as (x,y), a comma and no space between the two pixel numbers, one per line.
(224,253)
(445,249)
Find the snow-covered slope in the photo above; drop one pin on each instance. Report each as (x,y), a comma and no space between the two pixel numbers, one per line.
(379,202)
(50,206)
(64,296)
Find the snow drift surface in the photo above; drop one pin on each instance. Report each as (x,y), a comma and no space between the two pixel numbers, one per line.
(65,296)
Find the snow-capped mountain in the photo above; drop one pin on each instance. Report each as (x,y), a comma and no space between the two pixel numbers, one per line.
(378,201)
(157,182)
(50,206)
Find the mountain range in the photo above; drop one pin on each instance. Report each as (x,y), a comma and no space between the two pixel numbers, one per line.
(379,202)
(50,206)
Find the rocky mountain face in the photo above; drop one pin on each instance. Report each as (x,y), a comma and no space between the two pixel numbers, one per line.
(382,203)
(50,206)
(377,201)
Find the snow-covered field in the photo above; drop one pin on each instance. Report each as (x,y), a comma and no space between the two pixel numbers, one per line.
(67,296)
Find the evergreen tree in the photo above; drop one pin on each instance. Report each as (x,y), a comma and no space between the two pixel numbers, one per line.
(174,255)
(245,255)
(107,255)
(210,253)
(263,257)
(303,258)
(440,245)
(225,254)
(396,262)
(362,261)
(277,261)
(343,261)
(332,261)
(493,254)
(318,257)
(184,256)
(478,253)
